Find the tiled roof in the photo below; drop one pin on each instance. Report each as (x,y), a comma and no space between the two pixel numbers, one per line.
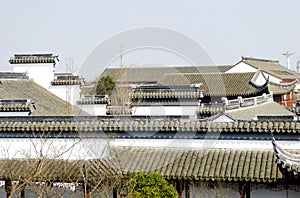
(142,125)
(271,67)
(202,164)
(32,58)
(191,164)
(153,74)
(57,170)
(46,103)
(265,109)
(217,84)
(209,110)
(282,88)
(165,92)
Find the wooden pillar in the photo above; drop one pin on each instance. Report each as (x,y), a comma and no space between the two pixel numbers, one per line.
(187,190)
(244,190)
(179,188)
(23,193)
(87,190)
(8,187)
(247,188)
(22,185)
(115,193)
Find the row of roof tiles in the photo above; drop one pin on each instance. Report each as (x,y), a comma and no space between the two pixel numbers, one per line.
(167,94)
(204,164)
(66,82)
(55,170)
(154,74)
(216,84)
(93,100)
(32,60)
(14,107)
(115,125)
(191,164)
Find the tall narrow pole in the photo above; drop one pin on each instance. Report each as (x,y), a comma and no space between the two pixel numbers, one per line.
(122,76)
(288,56)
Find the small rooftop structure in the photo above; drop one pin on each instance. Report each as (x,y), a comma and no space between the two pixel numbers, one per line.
(93,99)
(16,107)
(66,79)
(33,58)
(39,67)
(13,75)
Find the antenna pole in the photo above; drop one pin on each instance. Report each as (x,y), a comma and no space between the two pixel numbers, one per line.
(69,70)
(122,76)
(288,56)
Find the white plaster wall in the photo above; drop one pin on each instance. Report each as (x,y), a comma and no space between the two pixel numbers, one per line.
(260,80)
(164,110)
(241,68)
(96,148)
(265,193)
(297,86)
(203,143)
(53,148)
(223,118)
(41,73)
(202,191)
(272,78)
(95,109)
(61,92)
(10,114)
(198,192)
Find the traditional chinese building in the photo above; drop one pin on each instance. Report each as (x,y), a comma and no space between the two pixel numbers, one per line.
(199,157)
(224,150)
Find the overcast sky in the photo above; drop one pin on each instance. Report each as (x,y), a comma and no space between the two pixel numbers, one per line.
(226,29)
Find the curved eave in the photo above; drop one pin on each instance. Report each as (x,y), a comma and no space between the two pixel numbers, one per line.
(288,163)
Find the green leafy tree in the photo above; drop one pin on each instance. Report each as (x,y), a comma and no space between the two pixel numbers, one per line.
(105,85)
(150,185)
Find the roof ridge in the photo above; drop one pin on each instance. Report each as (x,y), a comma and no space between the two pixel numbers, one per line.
(259,59)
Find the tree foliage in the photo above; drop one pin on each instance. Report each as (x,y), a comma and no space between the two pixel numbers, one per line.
(150,185)
(105,85)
